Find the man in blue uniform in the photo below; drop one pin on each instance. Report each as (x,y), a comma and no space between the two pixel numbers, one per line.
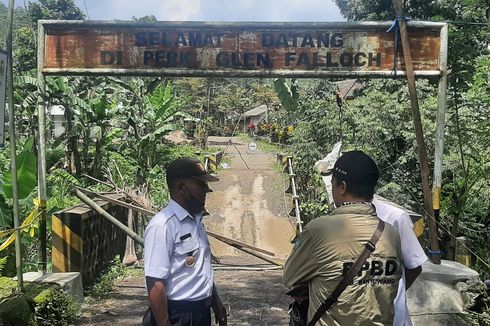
(178,270)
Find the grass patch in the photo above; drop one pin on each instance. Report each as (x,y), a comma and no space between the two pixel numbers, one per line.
(104,284)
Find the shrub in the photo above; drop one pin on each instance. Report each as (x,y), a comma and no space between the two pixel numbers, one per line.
(105,283)
(54,307)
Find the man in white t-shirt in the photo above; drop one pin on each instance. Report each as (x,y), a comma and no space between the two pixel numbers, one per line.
(413,256)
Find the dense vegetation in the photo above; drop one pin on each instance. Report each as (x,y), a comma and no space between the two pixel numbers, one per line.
(115,128)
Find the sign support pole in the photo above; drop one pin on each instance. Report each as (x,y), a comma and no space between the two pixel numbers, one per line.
(419,133)
(41,158)
(440,125)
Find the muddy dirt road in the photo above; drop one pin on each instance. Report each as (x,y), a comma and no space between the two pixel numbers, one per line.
(247,205)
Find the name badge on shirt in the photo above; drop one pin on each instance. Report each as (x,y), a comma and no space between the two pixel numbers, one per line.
(190,261)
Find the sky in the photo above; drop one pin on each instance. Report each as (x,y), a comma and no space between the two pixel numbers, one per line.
(211,10)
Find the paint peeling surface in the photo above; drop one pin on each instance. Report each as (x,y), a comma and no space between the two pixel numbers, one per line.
(240,50)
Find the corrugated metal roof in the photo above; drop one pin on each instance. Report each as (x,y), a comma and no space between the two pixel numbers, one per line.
(256,111)
(348,87)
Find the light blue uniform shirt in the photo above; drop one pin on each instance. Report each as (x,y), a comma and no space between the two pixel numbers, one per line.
(171,237)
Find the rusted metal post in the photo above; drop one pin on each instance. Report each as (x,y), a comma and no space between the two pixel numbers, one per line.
(13,145)
(419,133)
(41,149)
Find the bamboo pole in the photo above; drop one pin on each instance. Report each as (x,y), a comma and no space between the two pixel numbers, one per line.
(419,133)
(215,235)
(13,146)
(235,243)
(140,240)
(108,216)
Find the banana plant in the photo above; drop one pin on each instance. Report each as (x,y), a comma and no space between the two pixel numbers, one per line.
(288,95)
(147,112)
(26,181)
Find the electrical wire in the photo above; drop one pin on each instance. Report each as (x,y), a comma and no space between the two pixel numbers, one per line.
(228,10)
(86,9)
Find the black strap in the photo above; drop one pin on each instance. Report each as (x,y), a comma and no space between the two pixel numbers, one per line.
(369,247)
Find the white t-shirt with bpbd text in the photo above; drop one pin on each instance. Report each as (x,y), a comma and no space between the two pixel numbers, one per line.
(412,252)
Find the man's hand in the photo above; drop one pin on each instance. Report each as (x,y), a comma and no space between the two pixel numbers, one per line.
(218,308)
(220,314)
(158,300)
(299,299)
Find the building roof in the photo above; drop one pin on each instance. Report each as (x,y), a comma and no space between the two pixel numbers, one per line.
(57,110)
(256,111)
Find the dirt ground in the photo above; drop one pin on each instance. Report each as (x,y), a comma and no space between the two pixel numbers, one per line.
(248,204)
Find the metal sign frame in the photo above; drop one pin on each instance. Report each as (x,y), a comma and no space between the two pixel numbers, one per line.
(43,72)
(107,29)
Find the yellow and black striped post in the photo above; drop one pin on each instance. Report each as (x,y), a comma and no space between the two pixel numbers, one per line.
(213,161)
(282,158)
(67,243)
(212,166)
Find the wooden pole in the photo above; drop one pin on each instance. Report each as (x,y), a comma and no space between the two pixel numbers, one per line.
(419,133)
(13,145)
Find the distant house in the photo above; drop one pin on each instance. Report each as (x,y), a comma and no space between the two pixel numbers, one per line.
(254,116)
(58,116)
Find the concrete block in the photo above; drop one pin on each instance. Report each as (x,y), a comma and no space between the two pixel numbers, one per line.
(70,282)
(442,293)
(449,272)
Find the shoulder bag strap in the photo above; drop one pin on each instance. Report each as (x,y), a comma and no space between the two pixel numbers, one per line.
(369,247)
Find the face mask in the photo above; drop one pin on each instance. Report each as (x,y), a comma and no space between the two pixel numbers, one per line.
(193,204)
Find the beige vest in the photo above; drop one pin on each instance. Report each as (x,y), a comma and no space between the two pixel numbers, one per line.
(326,250)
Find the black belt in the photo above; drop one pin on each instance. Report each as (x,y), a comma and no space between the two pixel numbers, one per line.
(189,306)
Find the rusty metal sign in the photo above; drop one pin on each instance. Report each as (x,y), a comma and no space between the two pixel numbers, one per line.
(236,49)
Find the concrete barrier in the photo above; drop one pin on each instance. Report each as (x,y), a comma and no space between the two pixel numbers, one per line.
(85,242)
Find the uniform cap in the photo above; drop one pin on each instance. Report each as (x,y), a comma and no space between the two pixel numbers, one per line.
(356,167)
(186,167)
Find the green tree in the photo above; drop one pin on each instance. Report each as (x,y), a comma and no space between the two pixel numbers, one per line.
(54,9)
(466,40)
(466,186)
(21,20)
(25,50)
(145,113)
